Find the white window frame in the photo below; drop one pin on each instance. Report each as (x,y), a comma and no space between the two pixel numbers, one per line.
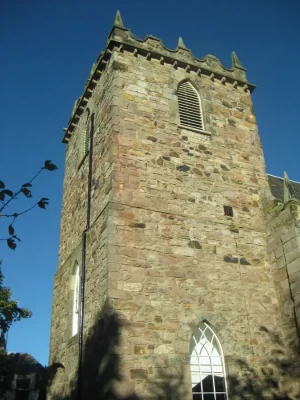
(76,302)
(207,358)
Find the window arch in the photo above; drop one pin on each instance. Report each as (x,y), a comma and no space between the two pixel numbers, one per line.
(76,300)
(190,110)
(207,365)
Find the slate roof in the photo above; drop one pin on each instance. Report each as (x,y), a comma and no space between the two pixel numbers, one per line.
(23,363)
(276,186)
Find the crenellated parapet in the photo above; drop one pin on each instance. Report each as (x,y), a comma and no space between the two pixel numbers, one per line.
(152,48)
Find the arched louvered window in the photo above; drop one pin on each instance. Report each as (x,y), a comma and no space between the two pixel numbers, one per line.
(190,111)
(207,365)
(76,298)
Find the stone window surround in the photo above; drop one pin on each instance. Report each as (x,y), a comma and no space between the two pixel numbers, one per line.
(84,134)
(73,262)
(193,98)
(195,81)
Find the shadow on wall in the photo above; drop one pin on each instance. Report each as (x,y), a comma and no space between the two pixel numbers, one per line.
(102,378)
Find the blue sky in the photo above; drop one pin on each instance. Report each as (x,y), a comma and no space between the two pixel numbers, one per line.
(47,50)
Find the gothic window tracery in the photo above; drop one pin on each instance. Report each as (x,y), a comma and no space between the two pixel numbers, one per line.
(207,365)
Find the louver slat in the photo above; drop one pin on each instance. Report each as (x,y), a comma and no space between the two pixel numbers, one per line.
(189,106)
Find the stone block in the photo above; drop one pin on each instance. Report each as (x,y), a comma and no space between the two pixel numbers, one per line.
(294,266)
(292,254)
(295,288)
(288,235)
(281,262)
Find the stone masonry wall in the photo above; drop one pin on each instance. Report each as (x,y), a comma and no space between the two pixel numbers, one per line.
(64,347)
(160,248)
(174,258)
(284,250)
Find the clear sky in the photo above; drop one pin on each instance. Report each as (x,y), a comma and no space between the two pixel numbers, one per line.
(47,50)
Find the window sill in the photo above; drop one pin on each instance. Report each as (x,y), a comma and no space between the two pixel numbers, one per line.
(82,159)
(188,128)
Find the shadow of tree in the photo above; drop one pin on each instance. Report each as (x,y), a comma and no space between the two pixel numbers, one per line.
(278,379)
(102,378)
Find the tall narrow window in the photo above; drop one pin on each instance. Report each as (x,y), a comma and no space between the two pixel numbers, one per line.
(190,111)
(87,135)
(76,298)
(207,365)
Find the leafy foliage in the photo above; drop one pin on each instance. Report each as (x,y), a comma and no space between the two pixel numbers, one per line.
(9,309)
(7,196)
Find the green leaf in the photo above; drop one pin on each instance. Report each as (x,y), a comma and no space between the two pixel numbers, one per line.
(11,229)
(26,191)
(27,185)
(2,184)
(49,166)
(11,244)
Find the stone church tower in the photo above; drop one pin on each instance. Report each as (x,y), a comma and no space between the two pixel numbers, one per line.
(167,270)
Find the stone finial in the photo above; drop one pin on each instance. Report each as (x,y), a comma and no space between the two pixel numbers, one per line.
(118,20)
(288,191)
(180,44)
(235,61)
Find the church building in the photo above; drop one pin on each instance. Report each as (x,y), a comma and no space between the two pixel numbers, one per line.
(179,259)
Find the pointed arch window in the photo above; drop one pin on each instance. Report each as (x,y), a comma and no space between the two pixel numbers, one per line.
(76,298)
(190,110)
(86,142)
(207,365)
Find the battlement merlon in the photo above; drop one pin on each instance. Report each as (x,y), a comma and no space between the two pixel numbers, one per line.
(150,47)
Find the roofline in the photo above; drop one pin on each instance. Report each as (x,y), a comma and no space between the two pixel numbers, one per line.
(275,176)
(121,39)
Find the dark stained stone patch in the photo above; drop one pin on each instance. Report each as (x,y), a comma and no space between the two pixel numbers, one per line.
(230,259)
(191,199)
(177,144)
(244,261)
(201,147)
(246,209)
(152,138)
(138,373)
(184,138)
(224,167)
(166,158)
(160,161)
(171,217)
(194,244)
(234,230)
(182,168)
(197,171)
(174,154)
(138,225)
(231,122)
(226,104)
